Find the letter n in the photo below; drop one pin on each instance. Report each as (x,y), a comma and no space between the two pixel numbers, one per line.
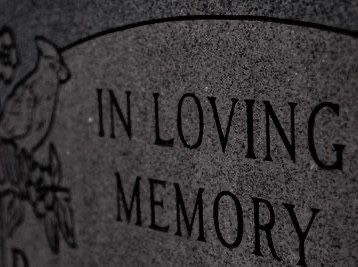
(290,146)
(126,123)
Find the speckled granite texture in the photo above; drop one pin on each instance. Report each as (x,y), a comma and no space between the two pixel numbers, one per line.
(77,169)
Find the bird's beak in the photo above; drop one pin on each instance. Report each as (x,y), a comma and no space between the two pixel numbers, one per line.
(46,48)
(63,74)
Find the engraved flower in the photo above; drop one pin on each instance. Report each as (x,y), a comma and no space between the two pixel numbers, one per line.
(52,202)
(8,55)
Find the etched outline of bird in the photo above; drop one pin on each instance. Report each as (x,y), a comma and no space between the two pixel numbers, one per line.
(26,119)
(30,108)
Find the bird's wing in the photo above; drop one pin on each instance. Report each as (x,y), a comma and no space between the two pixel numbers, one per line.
(17,116)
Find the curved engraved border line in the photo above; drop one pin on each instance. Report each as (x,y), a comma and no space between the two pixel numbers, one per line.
(299,23)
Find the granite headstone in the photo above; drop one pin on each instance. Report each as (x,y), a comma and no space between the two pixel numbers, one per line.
(178,133)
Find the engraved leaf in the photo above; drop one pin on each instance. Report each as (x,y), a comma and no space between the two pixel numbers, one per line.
(21,171)
(7,163)
(4,163)
(13,165)
(9,59)
(15,214)
(55,165)
(52,233)
(66,222)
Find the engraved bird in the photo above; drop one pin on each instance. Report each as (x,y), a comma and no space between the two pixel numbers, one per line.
(25,122)
(29,110)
